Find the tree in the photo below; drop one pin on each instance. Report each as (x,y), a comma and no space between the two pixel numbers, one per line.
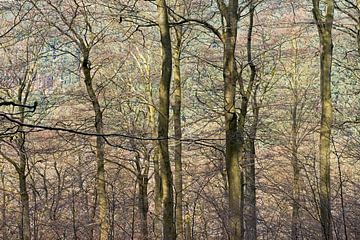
(178,184)
(169,231)
(63,23)
(324,22)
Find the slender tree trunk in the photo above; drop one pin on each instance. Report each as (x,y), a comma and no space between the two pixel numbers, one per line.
(358,26)
(169,231)
(188,226)
(324,25)
(143,205)
(295,218)
(250,188)
(73,212)
(157,193)
(178,135)
(24,195)
(3,210)
(100,145)
(155,160)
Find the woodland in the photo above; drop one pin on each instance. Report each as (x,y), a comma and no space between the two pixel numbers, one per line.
(180,119)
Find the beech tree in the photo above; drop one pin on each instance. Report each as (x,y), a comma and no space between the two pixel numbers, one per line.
(169,230)
(324,22)
(179,119)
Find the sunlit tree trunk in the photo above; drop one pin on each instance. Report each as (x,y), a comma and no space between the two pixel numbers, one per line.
(324,25)
(155,160)
(178,132)
(232,153)
(169,231)
(100,146)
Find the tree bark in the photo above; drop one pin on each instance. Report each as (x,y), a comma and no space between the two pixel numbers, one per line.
(25,231)
(155,160)
(295,217)
(250,175)
(3,205)
(143,205)
(250,188)
(324,25)
(100,148)
(178,134)
(24,195)
(232,152)
(169,231)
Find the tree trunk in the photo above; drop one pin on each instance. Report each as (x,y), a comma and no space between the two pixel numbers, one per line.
(187,226)
(324,25)
(294,146)
(155,160)
(178,135)
(100,145)
(3,210)
(250,188)
(295,218)
(169,231)
(358,26)
(231,131)
(143,205)
(24,195)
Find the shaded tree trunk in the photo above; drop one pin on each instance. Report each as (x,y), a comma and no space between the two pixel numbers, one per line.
(100,146)
(3,205)
(250,176)
(324,25)
(169,231)
(249,161)
(143,203)
(24,195)
(295,217)
(294,146)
